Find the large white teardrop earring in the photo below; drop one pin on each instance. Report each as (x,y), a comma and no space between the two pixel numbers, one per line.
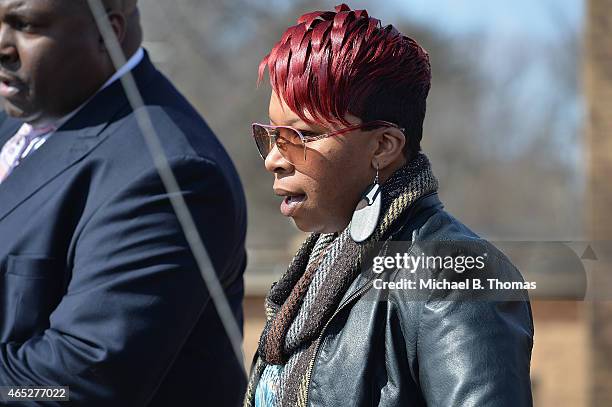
(367,212)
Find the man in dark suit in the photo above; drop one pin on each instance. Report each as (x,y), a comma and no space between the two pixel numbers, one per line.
(99,290)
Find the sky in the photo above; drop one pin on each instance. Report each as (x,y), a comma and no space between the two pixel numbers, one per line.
(532,24)
(504,17)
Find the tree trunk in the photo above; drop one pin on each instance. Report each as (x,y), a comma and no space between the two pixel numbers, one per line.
(598,89)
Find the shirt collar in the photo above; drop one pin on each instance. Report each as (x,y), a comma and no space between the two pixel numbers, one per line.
(128,66)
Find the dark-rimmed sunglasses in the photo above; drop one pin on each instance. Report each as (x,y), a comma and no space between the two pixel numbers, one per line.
(291,142)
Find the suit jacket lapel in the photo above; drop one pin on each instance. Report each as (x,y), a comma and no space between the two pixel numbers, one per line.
(73,141)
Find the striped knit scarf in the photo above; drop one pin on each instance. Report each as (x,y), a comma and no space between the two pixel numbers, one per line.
(302,301)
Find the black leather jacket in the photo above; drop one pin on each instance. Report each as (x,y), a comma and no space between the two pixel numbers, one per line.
(382,348)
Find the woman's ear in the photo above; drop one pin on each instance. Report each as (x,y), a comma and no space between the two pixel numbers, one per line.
(390,147)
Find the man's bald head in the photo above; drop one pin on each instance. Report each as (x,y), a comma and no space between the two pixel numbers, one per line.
(127,6)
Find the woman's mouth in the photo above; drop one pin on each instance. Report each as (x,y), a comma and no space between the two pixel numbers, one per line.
(291,203)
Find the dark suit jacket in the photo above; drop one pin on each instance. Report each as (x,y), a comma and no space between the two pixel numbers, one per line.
(98,288)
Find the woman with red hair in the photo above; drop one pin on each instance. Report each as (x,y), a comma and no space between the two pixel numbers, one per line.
(343,143)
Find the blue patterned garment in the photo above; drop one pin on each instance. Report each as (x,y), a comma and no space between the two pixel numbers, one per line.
(267,393)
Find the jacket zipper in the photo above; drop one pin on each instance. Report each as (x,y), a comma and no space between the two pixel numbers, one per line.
(354,296)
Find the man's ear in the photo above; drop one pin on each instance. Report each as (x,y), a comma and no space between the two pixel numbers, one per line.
(390,147)
(118,22)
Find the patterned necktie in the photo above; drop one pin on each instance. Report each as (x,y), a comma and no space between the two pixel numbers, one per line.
(13,149)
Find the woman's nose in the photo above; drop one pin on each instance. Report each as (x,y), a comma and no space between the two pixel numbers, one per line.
(276,163)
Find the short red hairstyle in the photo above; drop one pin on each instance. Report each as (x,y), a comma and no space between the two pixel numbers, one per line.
(331,64)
